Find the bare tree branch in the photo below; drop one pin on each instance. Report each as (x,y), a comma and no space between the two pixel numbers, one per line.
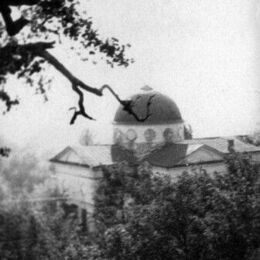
(39,49)
(81,110)
(61,68)
(30,47)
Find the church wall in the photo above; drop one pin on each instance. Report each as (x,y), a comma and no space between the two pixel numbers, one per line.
(77,170)
(121,131)
(79,182)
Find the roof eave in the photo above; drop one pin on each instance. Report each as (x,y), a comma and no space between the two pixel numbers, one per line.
(187,164)
(70,163)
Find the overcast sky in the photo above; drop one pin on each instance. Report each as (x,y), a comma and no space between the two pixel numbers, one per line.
(204,54)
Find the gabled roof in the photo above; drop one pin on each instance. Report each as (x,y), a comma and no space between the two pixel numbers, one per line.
(195,151)
(174,155)
(89,156)
(167,155)
(221,144)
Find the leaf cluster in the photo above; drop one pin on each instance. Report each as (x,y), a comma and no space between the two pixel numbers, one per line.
(37,229)
(200,216)
(53,21)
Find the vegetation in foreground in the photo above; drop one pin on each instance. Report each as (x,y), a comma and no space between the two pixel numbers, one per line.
(142,216)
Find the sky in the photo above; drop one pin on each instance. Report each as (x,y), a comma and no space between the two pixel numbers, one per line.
(203,54)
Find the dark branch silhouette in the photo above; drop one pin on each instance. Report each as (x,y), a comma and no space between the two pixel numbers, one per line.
(14,27)
(81,110)
(39,49)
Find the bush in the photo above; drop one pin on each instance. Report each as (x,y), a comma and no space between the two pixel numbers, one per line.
(198,217)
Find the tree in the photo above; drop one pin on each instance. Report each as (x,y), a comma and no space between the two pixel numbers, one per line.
(32,224)
(27,54)
(22,174)
(4,151)
(198,217)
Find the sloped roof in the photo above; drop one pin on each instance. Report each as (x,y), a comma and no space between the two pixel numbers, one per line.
(167,155)
(177,154)
(201,150)
(221,144)
(93,155)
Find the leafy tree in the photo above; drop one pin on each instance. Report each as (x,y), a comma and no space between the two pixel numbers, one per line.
(201,216)
(25,45)
(30,232)
(33,225)
(22,174)
(4,151)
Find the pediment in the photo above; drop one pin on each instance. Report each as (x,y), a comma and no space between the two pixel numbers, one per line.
(202,155)
(69,155)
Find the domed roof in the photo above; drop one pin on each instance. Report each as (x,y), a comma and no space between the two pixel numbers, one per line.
(163,110)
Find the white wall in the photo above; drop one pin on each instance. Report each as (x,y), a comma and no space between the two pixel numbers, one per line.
(79,182)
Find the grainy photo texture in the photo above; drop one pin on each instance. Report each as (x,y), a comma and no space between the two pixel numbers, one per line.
(129,130)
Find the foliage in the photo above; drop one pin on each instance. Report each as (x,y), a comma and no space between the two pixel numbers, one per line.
(201,216)
(4,151)
(42,232)
(57,21)
(21,174)
(33,225)
(44,25)
(139,215)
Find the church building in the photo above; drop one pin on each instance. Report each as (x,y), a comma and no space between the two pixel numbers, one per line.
(163,141)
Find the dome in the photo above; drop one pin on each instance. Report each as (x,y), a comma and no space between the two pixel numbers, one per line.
(163,110)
